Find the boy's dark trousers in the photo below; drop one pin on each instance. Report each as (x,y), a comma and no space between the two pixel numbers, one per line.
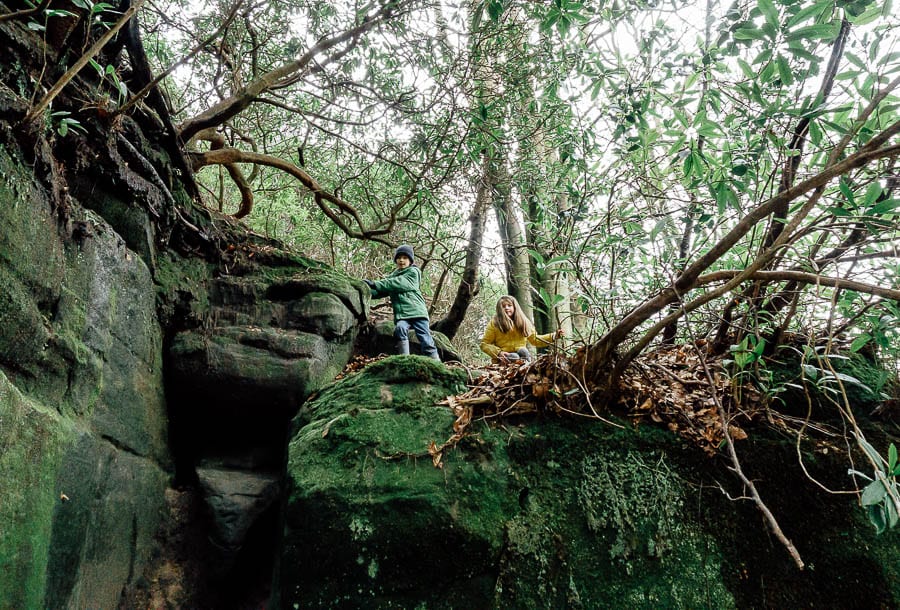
(423,332)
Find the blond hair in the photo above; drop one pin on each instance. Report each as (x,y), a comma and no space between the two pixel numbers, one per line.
(505,323)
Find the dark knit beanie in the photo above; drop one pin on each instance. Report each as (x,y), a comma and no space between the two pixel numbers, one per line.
(407,250)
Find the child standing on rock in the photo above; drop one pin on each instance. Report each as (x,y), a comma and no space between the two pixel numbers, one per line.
(410,311)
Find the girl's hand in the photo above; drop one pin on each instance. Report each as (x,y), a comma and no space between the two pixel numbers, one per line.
(560,333)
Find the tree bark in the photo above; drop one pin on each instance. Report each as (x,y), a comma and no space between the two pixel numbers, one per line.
(468,283)
(512,238)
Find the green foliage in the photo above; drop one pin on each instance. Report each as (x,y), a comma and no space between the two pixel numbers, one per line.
(630,144)
(63,122)
(881,497)
(748,351)
(109,72)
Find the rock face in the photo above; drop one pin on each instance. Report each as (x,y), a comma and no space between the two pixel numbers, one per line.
(550,513)
(259,342)
(92,436)
(84,454)
(145,345)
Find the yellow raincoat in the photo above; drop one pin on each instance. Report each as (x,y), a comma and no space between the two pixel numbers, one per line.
(493,342)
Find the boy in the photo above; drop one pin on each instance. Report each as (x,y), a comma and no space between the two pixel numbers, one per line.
(410,311)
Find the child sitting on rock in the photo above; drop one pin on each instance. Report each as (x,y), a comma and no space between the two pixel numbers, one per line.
(509,331)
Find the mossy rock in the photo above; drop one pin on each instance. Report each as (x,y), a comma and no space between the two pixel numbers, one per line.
(379,338)
(32,442)
(554,513)
(370,522)
(527,517)
(78,514)
(865,380)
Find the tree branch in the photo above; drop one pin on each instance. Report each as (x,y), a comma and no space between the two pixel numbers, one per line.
(803,278)
(153,83)
(226,156)
(599,351)
(26,13)
(233,105)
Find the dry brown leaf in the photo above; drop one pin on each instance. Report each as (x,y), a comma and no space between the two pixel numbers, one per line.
(737,433)
(436,454)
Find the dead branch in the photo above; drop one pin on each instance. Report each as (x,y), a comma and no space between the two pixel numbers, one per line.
(738,470)
(82,61)
(26,13)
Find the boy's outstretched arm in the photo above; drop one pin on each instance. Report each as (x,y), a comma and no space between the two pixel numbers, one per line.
(405,281)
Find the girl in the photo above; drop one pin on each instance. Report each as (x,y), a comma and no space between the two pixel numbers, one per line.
(508,331)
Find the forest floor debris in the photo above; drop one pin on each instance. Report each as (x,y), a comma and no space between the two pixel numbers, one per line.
(667,386)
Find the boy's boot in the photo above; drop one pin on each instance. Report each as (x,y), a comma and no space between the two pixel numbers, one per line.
(403,347)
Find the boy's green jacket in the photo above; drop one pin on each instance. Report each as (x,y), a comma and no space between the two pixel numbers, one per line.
(402,285)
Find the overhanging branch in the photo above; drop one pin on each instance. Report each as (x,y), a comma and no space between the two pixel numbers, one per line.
(803,278)
(244,97)
(231,156)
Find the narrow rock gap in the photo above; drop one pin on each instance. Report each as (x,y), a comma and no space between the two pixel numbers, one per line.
(218,544)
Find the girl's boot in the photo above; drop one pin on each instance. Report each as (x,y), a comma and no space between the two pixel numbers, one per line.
(403,347)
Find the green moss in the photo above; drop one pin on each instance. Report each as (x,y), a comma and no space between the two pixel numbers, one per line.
(182,286)
(604,524)
(32,440)
(366,502)
(404,383)
(554,513)
(23,330)
(873,380)
(29,243)
(636,503)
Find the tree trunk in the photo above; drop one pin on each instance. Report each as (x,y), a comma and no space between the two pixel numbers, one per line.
(468,283)
(562,312)
(486,86)
(512,237)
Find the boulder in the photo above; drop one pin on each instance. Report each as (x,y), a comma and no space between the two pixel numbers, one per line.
(378,338)
(236,499)
(369,519)
(547,512)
